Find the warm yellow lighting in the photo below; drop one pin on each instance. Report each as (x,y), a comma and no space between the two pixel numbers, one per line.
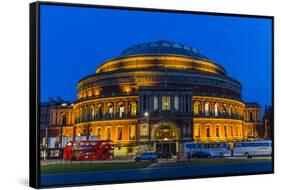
(160,61)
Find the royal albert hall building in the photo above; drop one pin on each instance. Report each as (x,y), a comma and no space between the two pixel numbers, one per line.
(157,96)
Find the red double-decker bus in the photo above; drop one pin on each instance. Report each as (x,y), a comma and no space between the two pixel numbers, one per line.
(88,150)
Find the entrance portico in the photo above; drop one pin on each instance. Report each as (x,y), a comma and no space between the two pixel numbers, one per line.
(165,136)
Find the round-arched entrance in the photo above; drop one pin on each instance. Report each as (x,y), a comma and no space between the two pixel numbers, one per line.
(166,136)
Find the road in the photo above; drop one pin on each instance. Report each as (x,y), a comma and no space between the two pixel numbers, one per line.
(155,171)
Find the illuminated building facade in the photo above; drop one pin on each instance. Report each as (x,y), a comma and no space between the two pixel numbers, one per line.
(157,96)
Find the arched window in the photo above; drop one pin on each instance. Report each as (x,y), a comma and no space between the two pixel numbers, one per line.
(93,112)
(80,114)
(197,131)
(231,130)
(207,109)
(110,110)
(121,110)
(99,132)
(64,120)
(166,103)
(223,110)
(100,111)
(251,118)
(230,110)
(119,133)
(84,113)
(208,131)
(196,108)
(216,109)
(89,109)
(133,109)
(217,131)
(108,133)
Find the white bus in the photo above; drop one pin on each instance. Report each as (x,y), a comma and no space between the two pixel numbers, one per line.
(252,148)
(214,149)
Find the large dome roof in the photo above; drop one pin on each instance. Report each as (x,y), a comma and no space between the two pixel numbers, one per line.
(163,47)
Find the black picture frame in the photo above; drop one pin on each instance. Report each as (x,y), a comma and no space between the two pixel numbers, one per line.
(34,86)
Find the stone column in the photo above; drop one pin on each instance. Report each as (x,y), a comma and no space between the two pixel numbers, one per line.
(104,109)
(182,103)
(126,108)
(190,103)
(172,103)
(114,108)
(159,103)
(139,105)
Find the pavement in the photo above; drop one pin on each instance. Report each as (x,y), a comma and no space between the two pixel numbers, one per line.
(168,170)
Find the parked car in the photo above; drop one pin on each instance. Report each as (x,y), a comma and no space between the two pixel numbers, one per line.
(201,154)
(146,156)
(164,155)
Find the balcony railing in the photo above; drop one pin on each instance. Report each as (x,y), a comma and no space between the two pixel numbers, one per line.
(212,115)
(106,95)
(108,116)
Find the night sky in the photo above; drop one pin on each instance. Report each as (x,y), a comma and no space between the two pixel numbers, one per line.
(75,40)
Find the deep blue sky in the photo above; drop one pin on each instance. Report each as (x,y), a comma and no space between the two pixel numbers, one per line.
(75,40)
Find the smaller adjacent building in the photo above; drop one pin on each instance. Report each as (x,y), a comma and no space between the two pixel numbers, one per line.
(268,122)
(253,129)
(48,125)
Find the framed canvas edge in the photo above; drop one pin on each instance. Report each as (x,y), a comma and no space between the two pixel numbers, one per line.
(34,96)
(34,90)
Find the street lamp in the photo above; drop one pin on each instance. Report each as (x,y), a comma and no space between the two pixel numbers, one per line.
(146,114)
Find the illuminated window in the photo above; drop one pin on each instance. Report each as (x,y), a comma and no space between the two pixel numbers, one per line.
(166,103)
(208,132)
(119,135)
(251,116)
(108,133)
(155,103)
(64,119)
(216,109)
(231,130)
(196,108)
(176,103)
(121,111)
(133,109)
(110,111)
(100,111)
(230,110)
(99,132)
(93,112)
(132,133)
(225,130)
(217,131)
(197,131)
(144,130)
(207,109)
(223,111)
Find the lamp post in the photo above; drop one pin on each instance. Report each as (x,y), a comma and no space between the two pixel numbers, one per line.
(146,114)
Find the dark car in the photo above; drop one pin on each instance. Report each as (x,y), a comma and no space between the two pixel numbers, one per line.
(146,156)
(201,154)
(164,155)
